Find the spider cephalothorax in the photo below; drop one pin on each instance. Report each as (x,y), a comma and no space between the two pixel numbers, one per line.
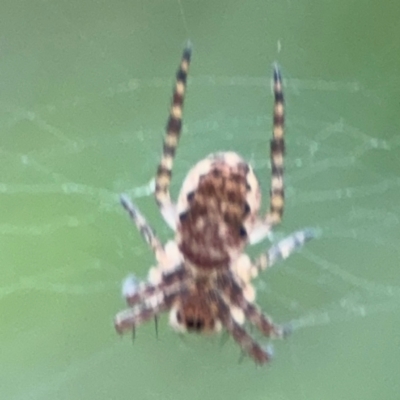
(194,312)
(203,278)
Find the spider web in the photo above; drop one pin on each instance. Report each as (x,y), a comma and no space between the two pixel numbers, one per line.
(61,181)
(363,223)
(351,295)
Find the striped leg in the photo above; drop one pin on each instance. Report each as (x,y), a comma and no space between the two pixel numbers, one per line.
(274,216)
(168,257)
(258,353)
(144,228)
(173,131)
(233,292)
(284,248)
(242,295)
(246,270)
(127,320)
(277,150)
(136,292)
(150,307)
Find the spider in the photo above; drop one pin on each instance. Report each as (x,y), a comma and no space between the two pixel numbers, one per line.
(203,277)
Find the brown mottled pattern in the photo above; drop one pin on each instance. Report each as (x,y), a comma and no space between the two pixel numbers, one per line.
(213,223)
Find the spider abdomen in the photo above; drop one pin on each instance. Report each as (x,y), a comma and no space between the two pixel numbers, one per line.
(217,205)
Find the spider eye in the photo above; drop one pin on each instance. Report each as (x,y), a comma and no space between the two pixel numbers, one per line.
(183,216)
(190,196)
(246,208)
(242,232)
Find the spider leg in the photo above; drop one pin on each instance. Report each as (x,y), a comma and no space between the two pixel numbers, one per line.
(173,131)
(143,227)
(277,150)
(233,292)
(258,353)
(246,270)
(129,319)
(277,146)
(284,248)
(135,292)
(236,294)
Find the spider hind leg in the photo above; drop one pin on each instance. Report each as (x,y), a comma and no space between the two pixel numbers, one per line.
(258,353)
(234,293)
(150,307)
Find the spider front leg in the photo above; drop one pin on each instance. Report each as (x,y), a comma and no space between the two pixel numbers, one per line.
(173,132)
(277,150)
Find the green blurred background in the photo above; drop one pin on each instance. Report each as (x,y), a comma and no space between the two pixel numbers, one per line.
(84,94)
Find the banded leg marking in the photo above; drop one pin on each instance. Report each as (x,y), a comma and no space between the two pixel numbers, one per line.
(252,313)
(143,227)
(258,353)
(171,140)
(284,248)
(132,317)
(135,292)
(277,151)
